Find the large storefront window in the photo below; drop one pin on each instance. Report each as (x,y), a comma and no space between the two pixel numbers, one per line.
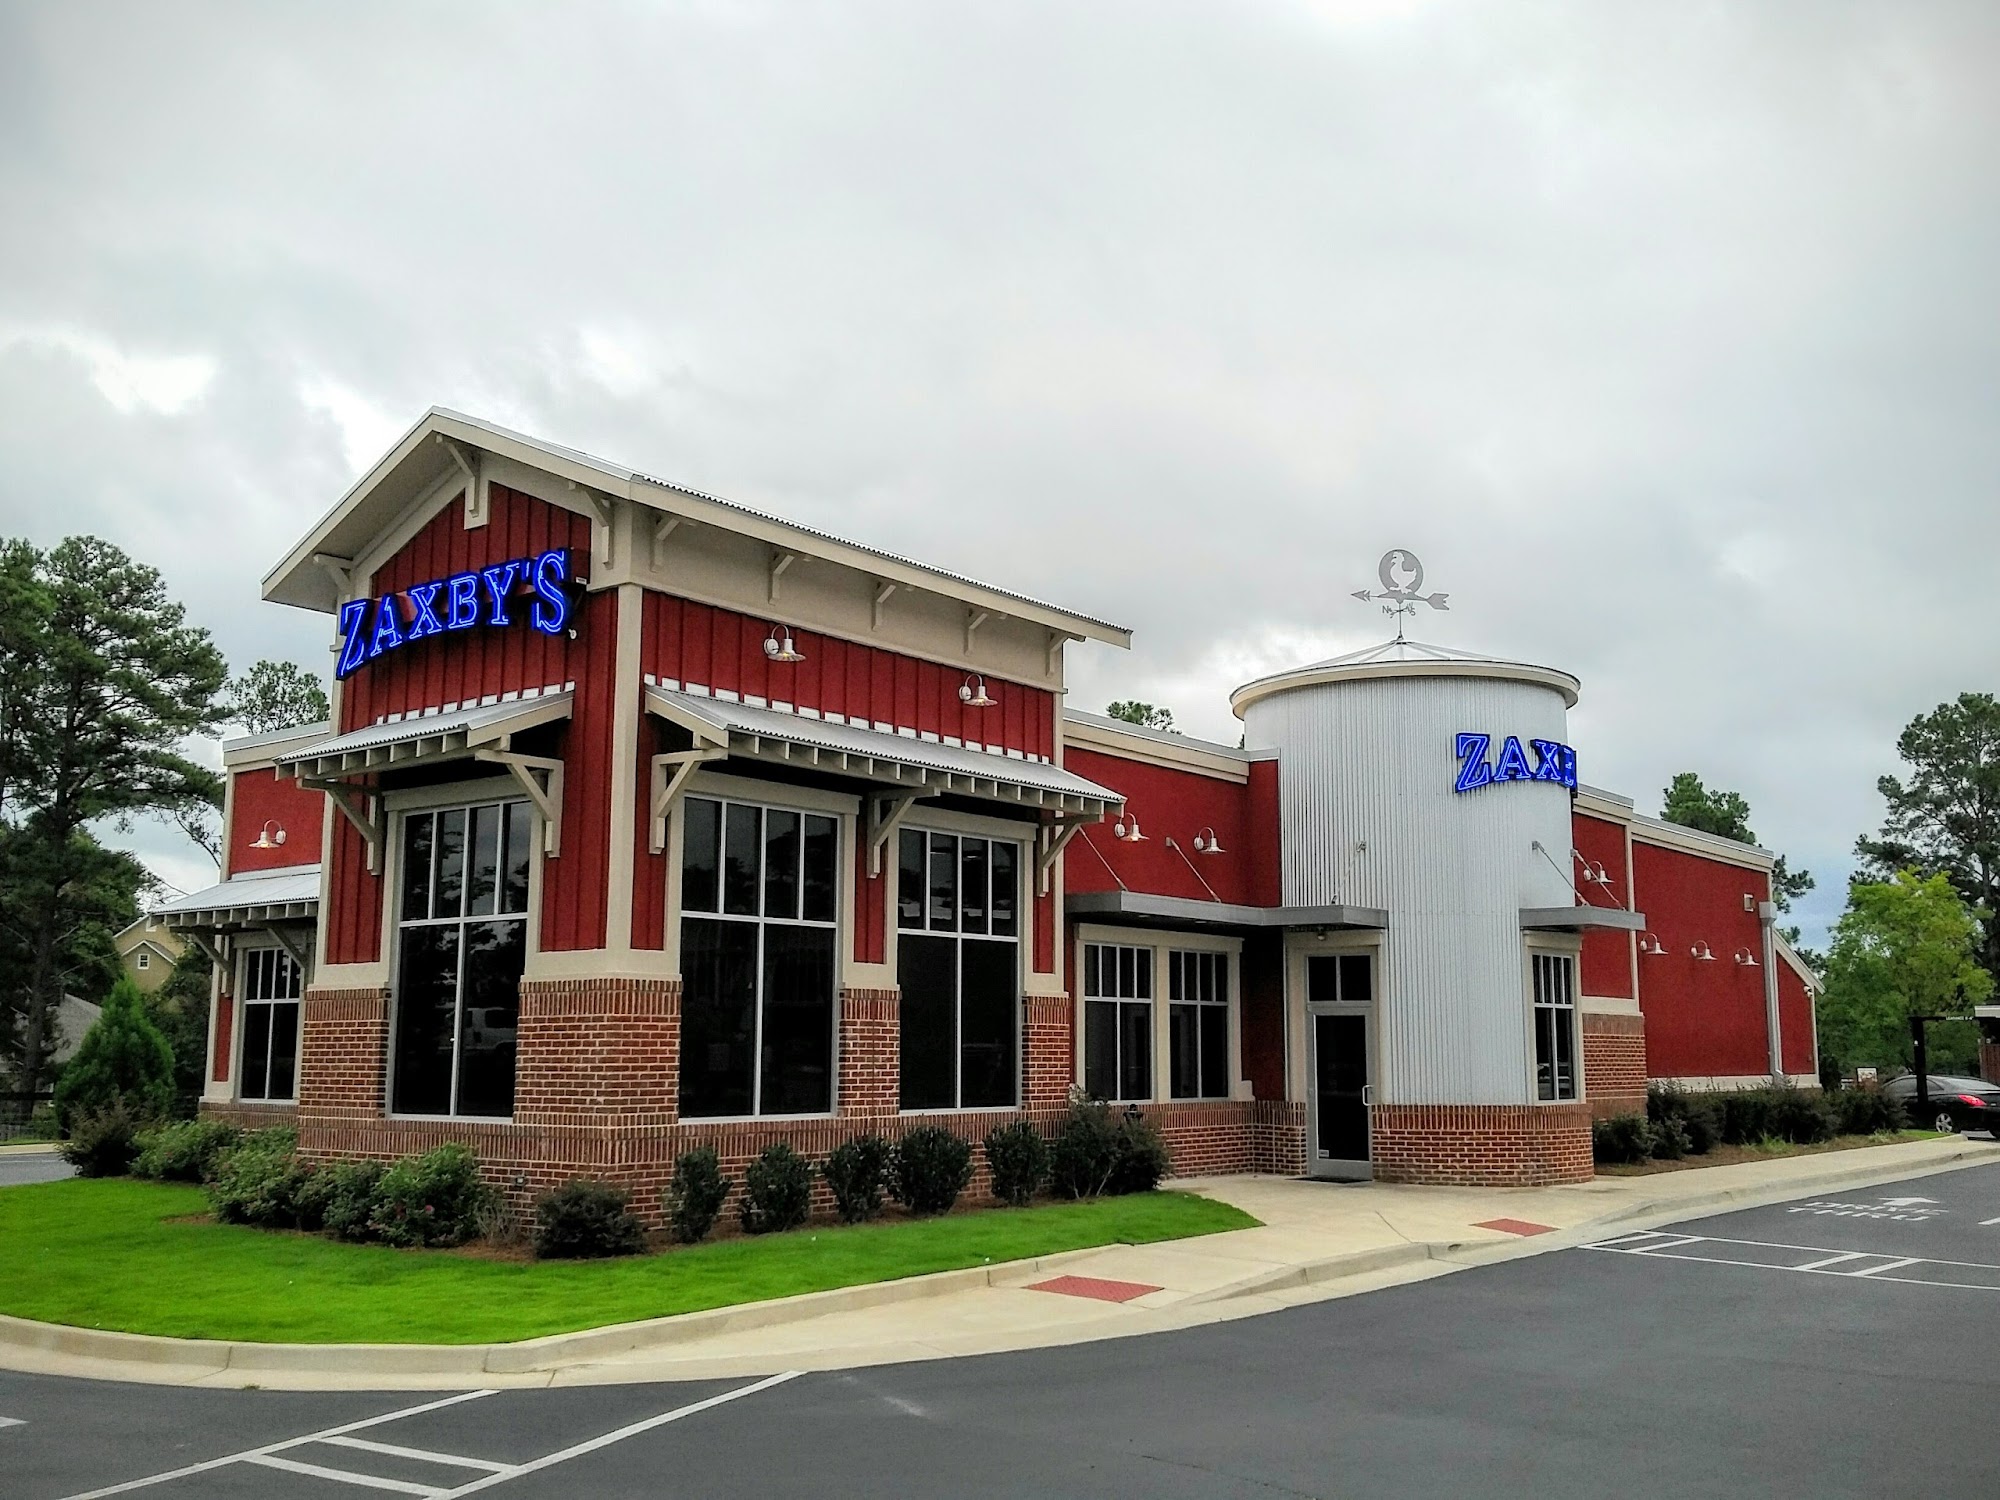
(1117,1021)
(1555,1026)
(1198,1024)
(270,1061)
(958,958)
(462,935)
(758,899)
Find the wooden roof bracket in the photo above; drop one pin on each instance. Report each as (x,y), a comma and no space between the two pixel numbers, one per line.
(363,810)
(301,952)
(883,593)
(671,773)
(885,816)
(1052,838)
(545,794)
(475,492)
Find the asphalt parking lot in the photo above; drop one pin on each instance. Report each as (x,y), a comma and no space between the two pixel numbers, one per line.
(1840,1346)
(31,1166)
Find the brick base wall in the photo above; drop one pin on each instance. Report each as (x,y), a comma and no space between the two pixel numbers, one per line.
(344,1054)
(604,1053)
(1614,1063)
(246,1116)
(1481,1145)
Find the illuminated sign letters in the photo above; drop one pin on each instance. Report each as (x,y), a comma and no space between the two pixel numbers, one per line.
(1553,762)
(369,627)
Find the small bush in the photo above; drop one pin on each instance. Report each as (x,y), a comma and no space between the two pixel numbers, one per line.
(1084,1161)
(856,1173)
(1143,1158)
(586,1221)
(1866,1112)
(102,1142)
(1746,1117)
(932,1168)
(777,1190)
(339,1197)
(695,1194)
(1670,1140)
(123,1058)
(431,1200)
(1018,1158)
(1698,1115)
(260,1181)
(184,1152)
(1621,1140)
(1800,1116)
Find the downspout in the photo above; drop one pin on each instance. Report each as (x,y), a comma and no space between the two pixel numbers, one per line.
(1767,921)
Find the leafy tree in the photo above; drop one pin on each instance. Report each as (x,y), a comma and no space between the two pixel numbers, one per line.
(1945,818)
(1143,714)
(275,695)
(123,1059)
(1727,815)
(1905,946)
(116,680)
(179,1008)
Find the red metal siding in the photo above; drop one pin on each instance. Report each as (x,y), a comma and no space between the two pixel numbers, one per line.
(649,870)
(1263,1013)
(354,925)
(1703,1020)
(259,797)
(576,887)
(1796,1022)
(465,666)
(1267,870)
(1177,804)
(697,645)
(1607,956)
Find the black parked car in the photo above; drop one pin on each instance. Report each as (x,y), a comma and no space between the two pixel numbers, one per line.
(1955,1103)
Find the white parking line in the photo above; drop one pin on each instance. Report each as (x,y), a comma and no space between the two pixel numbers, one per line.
(12,1422)
(421,1455)
(341,1476)
(1892,1265)
(1825,1263)
(1832,1260)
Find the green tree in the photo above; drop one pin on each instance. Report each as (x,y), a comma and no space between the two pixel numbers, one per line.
(122,1058)
(1904,947)
(1944,819)
(179,1008)
(1727,815)
(274,695)
(117,681)
(1143,714)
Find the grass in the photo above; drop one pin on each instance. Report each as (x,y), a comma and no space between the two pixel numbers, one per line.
(133,1256)
(1769,1149)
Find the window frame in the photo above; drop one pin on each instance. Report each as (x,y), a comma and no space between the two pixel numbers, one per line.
(1177,960)
(1536,951)
(1162,941)
(766,797)
(284,962)
(446,797)
(990,832)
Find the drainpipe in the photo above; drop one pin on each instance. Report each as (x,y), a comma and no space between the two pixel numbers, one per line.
(1767,921)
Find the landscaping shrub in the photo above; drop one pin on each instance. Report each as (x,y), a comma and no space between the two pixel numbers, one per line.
(932,1168)
(856,1173)
(123,1058)
(339,1197)
(777,1190)
(1746,1117)
(1098,1151)
(1865,1112)
(102,1142)
(259,1181)
(1670,1139)
(431,1200)
(1621,1140)
(695,1194)
(186,1151)
(586,1221)
(1143,1158)
(1800,1116)
(1698,1115)
(1018,1158)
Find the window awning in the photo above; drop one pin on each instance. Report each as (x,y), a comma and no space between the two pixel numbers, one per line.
(457,735)
(903,761)
(272,901)
(1582,919)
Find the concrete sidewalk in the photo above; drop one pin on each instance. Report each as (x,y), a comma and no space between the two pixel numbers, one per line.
(1317,1240)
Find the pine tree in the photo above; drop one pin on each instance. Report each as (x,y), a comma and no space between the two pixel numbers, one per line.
(122,1058)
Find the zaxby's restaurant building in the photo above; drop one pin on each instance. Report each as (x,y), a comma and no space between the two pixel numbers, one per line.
(648,821)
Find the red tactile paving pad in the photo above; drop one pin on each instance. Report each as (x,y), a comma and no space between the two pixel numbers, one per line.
(1095,1287)
(1515,1226)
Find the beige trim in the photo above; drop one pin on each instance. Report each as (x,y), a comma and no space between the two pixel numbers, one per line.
(625,777)
(1505,671)
(1608,1005)
(1664,835)
(1162,941)
(1194,756)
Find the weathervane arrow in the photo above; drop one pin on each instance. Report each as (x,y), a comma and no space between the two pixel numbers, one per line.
(1402,576)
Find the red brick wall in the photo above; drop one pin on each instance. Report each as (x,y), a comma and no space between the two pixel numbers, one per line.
(870,1053)
(1048,1050)
(345,1054)
(1481,1145)
(1614,1063)
(1989,1061)
(599,1052)
(249,1116)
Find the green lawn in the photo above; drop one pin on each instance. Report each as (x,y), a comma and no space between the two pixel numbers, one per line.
(102,1254)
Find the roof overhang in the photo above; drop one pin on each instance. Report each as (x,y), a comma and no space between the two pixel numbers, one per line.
(425,738)
(1143,909)
(246,901)
(771,737)
(1581,919)
(441,443)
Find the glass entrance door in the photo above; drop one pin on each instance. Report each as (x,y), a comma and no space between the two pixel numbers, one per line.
(1340,1096)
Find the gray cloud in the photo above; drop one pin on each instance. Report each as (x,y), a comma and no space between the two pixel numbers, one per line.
(1664,333)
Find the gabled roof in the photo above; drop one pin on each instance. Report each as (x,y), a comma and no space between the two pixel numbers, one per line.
(417,462)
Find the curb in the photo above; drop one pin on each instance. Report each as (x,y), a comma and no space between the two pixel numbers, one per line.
(30,1148)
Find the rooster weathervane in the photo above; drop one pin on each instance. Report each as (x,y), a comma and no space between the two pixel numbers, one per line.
(1402,576)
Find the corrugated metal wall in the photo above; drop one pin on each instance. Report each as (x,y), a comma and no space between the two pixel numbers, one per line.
(1372,763)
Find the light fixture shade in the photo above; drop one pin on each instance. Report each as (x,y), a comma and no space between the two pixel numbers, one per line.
(1208,842)
(1702,953)
(270,836)
(1650,945)
(972,693)
(1748,959)
(778,645)
(1127,828)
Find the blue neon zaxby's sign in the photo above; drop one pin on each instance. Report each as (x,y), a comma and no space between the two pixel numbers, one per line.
(464,601)
(1553,762)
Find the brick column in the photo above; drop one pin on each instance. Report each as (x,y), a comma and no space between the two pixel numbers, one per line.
(1481,1145)
(871,1044)
(1048,1051)
(1614,1063)
(604,1052)
(1989,1061)
(344,1057)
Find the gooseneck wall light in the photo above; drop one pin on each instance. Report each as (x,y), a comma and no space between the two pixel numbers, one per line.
(1127,827)
(778,645)
(1208,842)
(1702,953)
(972,693)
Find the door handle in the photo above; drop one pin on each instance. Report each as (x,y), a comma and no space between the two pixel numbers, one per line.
(1367,1094)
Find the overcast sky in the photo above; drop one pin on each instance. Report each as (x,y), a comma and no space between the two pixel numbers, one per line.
(1664,333)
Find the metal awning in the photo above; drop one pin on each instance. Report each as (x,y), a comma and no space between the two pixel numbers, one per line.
(1143,909)
(480,732)
(1582,918)
(903,761)
(272,901)
(456,735)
